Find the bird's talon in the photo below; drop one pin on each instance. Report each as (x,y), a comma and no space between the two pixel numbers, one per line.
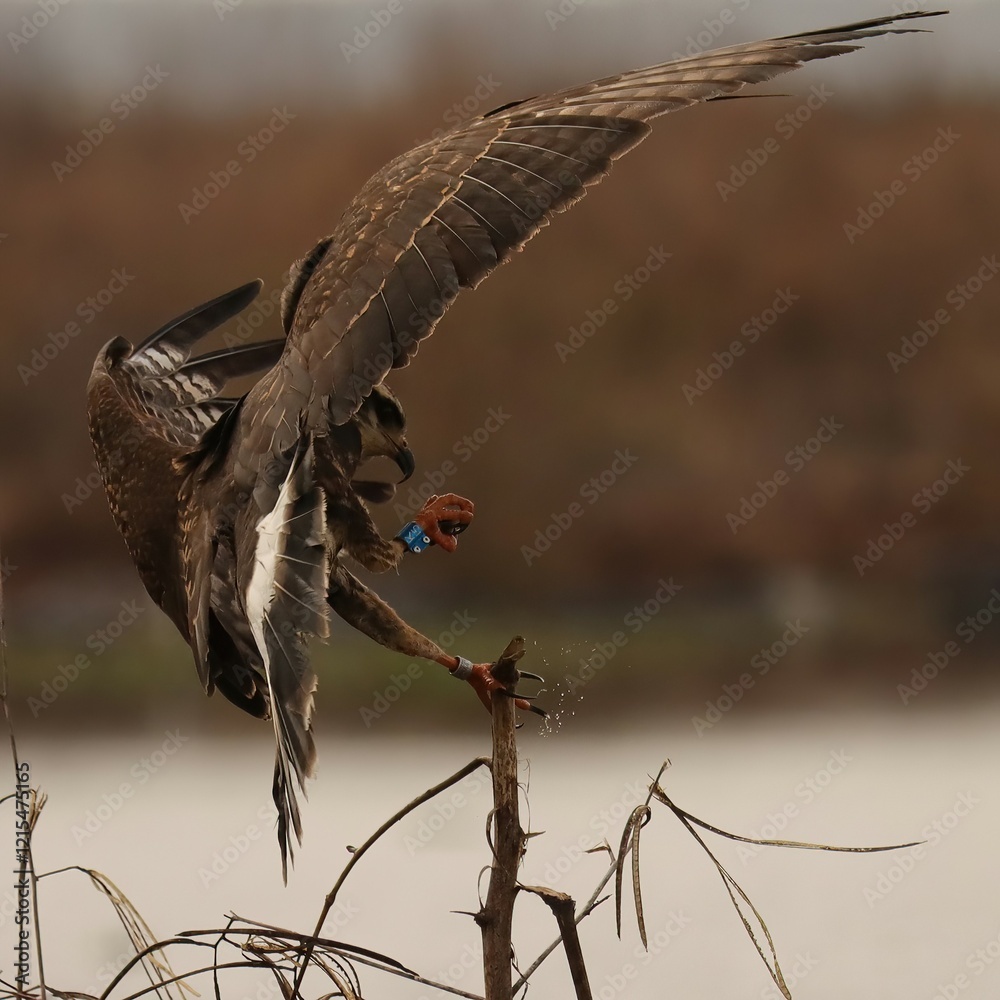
(484,684)
(516,695)
(444,517)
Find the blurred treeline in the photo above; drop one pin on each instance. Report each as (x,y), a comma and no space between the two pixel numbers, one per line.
(826,356)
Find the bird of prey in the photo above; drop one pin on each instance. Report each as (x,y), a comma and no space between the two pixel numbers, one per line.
(239,513)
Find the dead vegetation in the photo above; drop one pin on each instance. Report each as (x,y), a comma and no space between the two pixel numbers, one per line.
(311,965)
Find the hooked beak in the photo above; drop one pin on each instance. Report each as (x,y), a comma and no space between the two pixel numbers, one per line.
(405,461)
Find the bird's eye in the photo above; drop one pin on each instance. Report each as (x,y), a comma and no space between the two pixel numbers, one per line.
(389,416)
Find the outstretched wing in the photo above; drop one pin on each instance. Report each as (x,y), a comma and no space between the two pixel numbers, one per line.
(180,394)
(442,216)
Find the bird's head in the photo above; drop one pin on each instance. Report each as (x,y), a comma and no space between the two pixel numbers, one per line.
(113,351)
(382,425)
(110,354)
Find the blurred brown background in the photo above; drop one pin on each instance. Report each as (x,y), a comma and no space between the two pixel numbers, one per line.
(201,79)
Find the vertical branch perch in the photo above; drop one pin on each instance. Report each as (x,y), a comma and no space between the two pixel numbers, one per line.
(496,917)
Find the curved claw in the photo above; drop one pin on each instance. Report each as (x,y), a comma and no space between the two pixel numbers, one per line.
(531,676)
(525,698)
(517,695)
(484,684)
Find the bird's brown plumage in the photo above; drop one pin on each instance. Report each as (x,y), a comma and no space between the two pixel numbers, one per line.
(237,512)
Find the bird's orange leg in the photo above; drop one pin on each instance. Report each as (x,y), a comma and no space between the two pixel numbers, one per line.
(441,518)
(484,683)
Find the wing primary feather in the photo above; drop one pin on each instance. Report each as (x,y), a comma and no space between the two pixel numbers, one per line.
(180,334)
(232,362)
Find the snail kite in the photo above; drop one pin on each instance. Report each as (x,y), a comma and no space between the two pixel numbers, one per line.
(237,512)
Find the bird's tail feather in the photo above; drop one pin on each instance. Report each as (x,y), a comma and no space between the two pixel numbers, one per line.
(286,603)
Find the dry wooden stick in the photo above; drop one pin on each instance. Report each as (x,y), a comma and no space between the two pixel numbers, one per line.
(496,916)
(564,909)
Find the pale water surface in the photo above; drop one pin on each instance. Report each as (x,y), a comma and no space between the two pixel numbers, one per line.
(188,836)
